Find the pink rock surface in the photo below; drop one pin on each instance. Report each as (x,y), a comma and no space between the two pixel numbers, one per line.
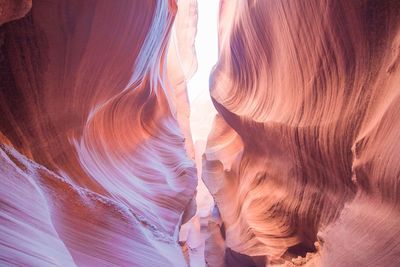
(308,95)
(98,161)
(13,9)
(85,96)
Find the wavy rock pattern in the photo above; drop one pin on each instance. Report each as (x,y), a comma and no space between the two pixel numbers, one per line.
(306,145)
(97,158)
(85,95)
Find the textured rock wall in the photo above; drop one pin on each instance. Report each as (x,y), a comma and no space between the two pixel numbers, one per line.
(94,166)
(305,147)
(96,155)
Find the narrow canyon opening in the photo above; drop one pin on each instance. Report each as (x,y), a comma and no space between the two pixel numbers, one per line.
(202,113)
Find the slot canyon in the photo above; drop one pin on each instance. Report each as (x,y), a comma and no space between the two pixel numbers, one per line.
(202,133)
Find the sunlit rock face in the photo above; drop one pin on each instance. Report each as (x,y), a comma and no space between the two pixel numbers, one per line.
(182,64)
(304,154)
(94,166)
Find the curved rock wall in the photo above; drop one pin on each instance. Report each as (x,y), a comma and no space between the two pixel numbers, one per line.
(96,154)
(305,148)
(94,166)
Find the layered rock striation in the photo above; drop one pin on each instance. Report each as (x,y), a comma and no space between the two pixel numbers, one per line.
(303,156)
(97,161)
(94,168)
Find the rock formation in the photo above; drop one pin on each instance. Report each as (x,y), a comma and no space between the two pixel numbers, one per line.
(94,169)
(98,161)
(303,159)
